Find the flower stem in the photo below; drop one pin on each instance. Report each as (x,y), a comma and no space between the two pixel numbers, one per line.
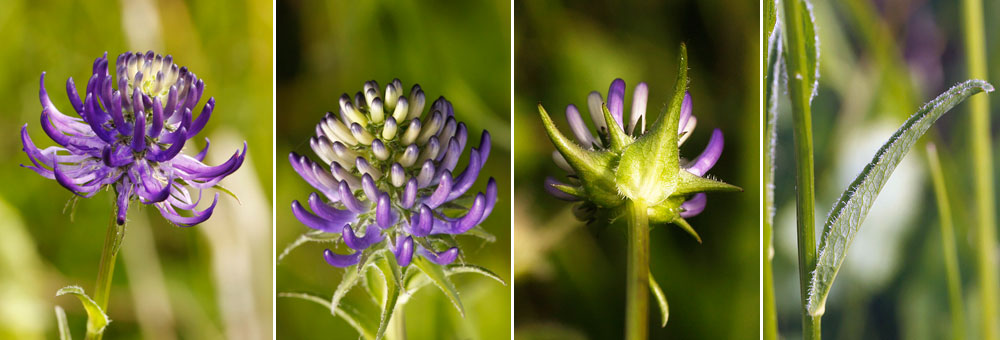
(397,326)
(948,245)
(112,244)
(637,284)
(975,54)
(800,93)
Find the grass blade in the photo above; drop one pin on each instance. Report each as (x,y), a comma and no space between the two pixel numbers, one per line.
(948,245)
(64,333)
(850,210)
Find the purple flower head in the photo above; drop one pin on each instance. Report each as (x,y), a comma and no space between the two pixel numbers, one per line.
(129,136)
(389,177)
(625,161)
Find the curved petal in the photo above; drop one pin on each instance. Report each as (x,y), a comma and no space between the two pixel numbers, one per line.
(467,177)
(329,213)
(443,258)
(315,222)
(341,261)
(160,155)
(185,221)
(384,215)
(616,100)
(403,251)
(440,194)
(347,197)
(372,236)
(694,206)
(699,166)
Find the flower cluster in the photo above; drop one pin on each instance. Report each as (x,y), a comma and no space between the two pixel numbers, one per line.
(130,138)
(625,161)
(390,177)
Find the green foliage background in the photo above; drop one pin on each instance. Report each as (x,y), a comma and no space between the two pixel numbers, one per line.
(170,282)
(457,49)
(570,278)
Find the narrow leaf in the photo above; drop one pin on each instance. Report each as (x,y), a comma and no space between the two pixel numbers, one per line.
(846,216)
(306,237)
(227,192)
(350,278)
(96,319)
(63,324)
(812,48)
(471,268)
(392,294)
(346,311)
(661,299)
(440,279)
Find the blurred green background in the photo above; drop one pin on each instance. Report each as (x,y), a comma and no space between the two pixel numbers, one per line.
(460,50)
(880,61)
(210,281)
(569,278)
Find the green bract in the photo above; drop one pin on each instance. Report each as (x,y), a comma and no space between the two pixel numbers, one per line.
(646,167)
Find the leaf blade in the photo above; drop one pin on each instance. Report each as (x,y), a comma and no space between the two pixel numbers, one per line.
(661,300)
(97,320)
(64,333)
(440,279)
(354,317)
(850,210)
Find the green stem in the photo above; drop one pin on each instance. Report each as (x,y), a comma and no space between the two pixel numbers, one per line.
(637,284)
(801,95)
(947,245)
(112,244)
(975,53)
(397,326)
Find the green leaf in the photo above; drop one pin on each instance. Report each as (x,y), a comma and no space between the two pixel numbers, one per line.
(770,23)
(63,324)
(440,278)
(812,48)
(306,237)
(375,285)
(96,319)
(471,268)
(392,294)
(350,278)
(354,317)
(648,167)
(481,233)
(845,219)
(227,192)
(661,299)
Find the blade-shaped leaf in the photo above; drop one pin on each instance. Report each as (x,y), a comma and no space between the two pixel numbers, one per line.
(661,299)
(63,324)
(354,317)
(844,220)
(306,237)
(227,192)
(96,319)
(812,48)
(392,293)
(350,278)
(440,278)
(471,268)
(375,285)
